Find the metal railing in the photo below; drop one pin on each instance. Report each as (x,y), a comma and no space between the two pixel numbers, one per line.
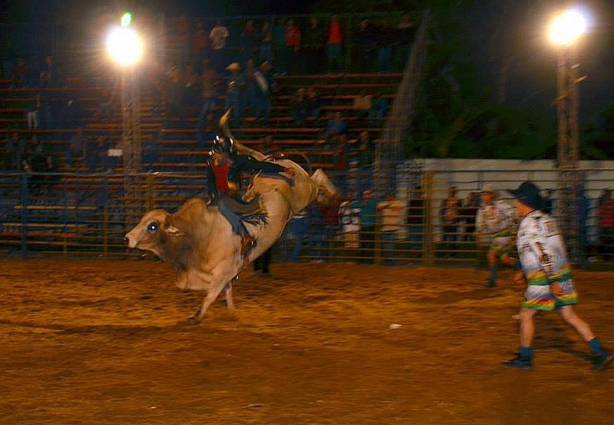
(87,216)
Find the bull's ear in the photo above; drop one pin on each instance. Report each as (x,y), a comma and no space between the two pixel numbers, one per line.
(173,231)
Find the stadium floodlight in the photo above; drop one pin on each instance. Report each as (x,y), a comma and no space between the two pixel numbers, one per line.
(124,46)
(567,27)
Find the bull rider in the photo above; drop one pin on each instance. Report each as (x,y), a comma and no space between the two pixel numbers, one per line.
(224,168)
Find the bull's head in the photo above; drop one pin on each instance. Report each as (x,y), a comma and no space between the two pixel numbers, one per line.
(152,232)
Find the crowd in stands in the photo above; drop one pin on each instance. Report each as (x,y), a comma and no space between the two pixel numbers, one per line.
(313,46)
(212,68)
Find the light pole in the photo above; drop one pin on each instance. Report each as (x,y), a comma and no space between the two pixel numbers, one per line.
(564,31)
(126,49)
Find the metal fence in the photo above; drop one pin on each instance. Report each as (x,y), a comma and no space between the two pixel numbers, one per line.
(87,216)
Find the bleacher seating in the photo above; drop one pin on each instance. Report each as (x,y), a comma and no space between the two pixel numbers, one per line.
(176,147)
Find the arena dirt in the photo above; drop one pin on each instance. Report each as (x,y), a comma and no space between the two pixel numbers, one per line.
(97,342)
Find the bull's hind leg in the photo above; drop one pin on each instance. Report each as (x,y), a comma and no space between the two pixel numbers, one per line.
(230,304)
(210,298)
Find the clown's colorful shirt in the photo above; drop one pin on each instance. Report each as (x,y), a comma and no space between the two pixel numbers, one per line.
(541,250)
(496,220)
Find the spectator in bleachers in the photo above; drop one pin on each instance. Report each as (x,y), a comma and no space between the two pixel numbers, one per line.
(38,160)
(334,46)
(292,44)
(385,39)
(21,74)
(181,36)
(265,43)
(313,46)
(279,43)
(218,35)
(50,75)
(379,110)
(190,98)
(207,129)
(366,148)
(365,43)
(16,151)
(201,45)
(248,47)
(263,93)
(33,112)
(235,85)
(362,106)
(98,153)
(77,148)
(70,113)
(335,127)
(209,82)
(299,107)
(313,108)
(249,94)
(174,94)
(405,32)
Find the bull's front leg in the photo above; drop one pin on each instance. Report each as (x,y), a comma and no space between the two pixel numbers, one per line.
(224,283)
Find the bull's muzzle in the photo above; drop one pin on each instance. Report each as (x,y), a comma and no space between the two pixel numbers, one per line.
(130,241)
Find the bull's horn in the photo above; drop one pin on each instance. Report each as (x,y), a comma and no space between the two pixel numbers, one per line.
(238,145)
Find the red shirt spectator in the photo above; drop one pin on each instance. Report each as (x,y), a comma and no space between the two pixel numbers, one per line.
(335,35)
(292,35)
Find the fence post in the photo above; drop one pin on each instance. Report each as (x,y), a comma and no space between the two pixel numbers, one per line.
(428,247)
(24,215)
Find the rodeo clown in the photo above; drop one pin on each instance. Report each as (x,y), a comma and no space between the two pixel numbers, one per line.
(547,275)
(495,232)
(224,168)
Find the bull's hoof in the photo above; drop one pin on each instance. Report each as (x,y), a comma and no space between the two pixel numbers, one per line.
(193,320)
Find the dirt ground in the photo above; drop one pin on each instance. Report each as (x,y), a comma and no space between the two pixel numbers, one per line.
(107,342)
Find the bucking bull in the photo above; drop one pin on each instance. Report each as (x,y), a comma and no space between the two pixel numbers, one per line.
(199,241)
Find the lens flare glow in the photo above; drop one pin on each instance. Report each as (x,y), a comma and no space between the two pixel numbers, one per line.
(567,27)
(124,46)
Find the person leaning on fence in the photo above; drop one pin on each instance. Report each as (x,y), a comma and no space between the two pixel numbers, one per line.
(495,232)
(349,217)
(450,219)
(547,273)
(391,220)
